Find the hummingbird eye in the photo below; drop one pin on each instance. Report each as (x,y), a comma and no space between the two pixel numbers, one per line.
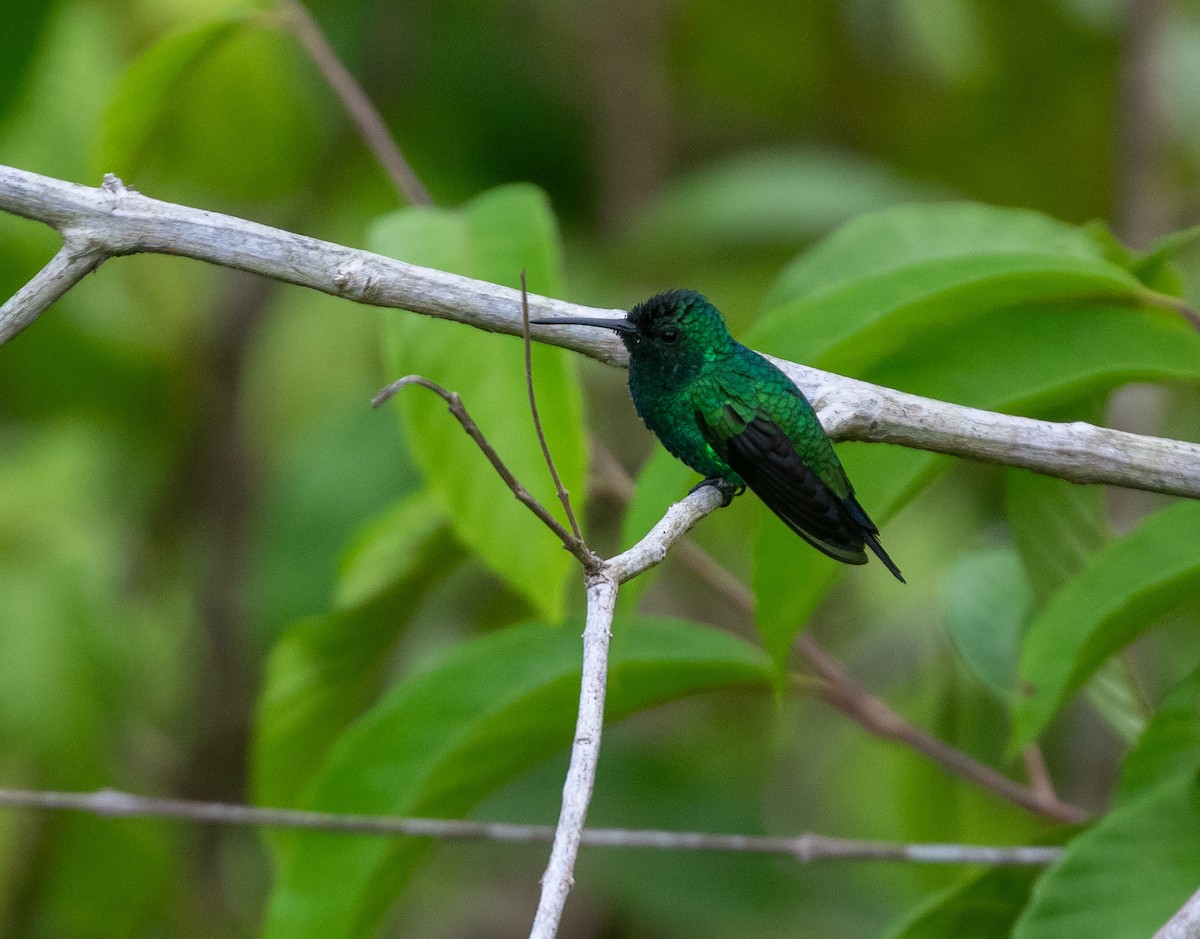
(669,336)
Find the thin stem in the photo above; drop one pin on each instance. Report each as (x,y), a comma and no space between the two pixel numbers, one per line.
(362,112)
(1037,772)
(844,692)
(563,496)
(581,551)
(805,848)
(1140,123)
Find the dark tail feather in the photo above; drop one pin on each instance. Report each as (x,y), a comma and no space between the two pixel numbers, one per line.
(874,545)
(869,533)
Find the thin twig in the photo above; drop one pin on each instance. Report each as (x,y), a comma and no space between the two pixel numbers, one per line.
(586,557)
(844,692)
(805,848)
(563,496)
(362,112)
(1140,123)
(1038,773)
(73,262)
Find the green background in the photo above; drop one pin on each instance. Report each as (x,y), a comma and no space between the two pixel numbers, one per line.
(224,577)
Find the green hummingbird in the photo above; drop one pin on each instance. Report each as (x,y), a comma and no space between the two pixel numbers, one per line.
(735,418)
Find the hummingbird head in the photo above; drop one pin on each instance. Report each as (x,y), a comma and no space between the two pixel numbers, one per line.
(674,333)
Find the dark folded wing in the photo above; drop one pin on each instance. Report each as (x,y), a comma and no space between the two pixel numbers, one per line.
(767,460)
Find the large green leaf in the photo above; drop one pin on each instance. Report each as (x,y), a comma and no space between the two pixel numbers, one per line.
(443,739)
(147,90)
(25,21)
(324,671)
(1125,876)
(984,906)
(892,239)
(1119,594)
(493,237)
(225,107)
(948,307)
(866,288)
(774,197)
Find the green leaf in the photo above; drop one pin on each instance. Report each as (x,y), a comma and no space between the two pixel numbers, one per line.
(324,671)
(975,324)
(25,21)
(1125,876)
(1119,594)
(985,906)
(986,600)
(1170,744)
(888,241)
(221,106)
(1153,266)
(878,279)
(493,237)
(147,91)
(771,197)
(443,739)
(379,562)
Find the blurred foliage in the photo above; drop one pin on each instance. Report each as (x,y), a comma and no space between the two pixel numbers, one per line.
(223,577)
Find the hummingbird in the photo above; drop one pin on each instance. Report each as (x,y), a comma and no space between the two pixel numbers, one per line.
(735,418)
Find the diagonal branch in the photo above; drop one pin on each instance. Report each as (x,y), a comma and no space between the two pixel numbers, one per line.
(571,542)
(120,221)
(73,262)
(844,692)
(363,113)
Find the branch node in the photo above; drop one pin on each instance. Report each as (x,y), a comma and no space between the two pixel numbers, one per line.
(114,185)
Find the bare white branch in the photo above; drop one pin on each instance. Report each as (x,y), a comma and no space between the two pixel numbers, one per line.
(805,848)
(602,589)
(559,877)
(116,220)
(71,264)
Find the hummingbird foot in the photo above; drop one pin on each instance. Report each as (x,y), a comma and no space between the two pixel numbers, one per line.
(727,489)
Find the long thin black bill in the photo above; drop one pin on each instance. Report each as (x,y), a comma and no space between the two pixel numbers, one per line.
(620,326)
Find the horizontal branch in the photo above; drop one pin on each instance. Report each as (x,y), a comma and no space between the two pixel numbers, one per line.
(118,220)
(804,848)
